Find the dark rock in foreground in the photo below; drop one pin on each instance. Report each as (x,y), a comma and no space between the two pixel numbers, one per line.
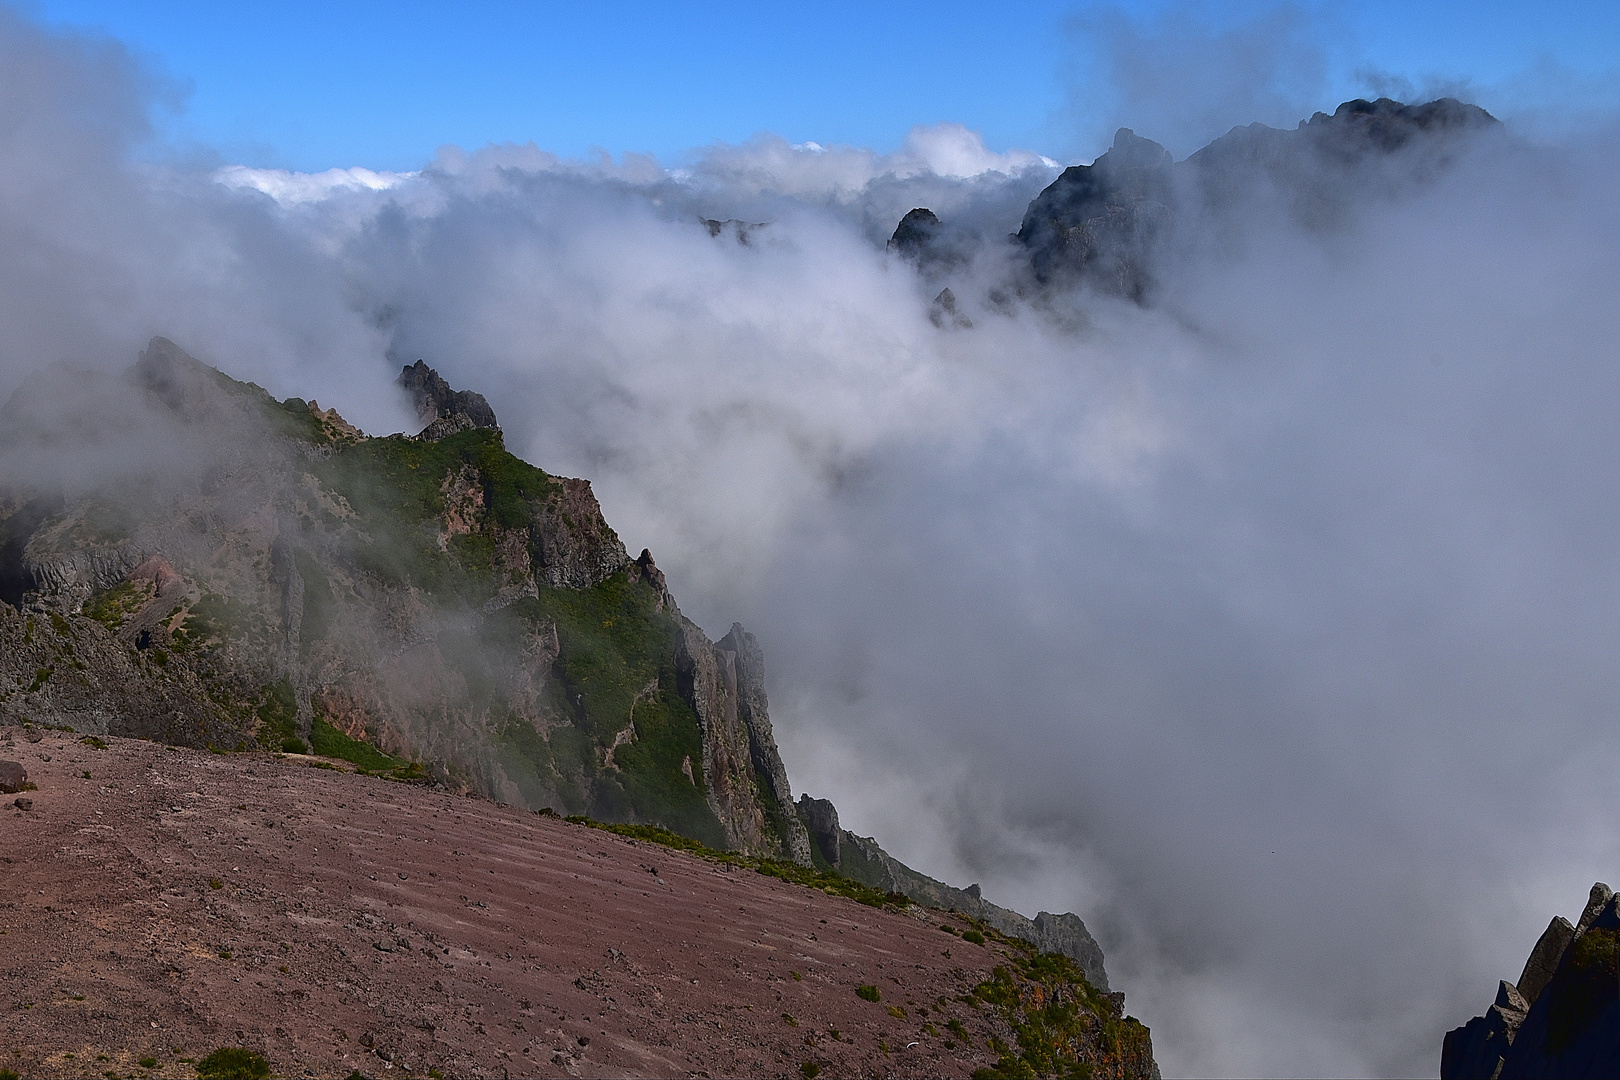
(1562,1019)
(12,777)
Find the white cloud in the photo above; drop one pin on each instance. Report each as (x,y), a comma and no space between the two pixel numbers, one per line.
(297,188)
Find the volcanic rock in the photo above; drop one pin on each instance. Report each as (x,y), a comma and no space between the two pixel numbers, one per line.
(1566,1024)
(442,410)
(12,776)
(269,913)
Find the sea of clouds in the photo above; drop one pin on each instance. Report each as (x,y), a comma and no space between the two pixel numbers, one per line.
(1271,626)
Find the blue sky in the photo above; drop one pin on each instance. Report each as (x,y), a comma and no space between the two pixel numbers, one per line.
(311,85)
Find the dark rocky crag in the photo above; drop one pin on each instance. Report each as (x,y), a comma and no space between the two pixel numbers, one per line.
(1562,1018)
(431,597)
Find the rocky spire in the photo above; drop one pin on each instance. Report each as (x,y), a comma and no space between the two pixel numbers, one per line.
(442,410)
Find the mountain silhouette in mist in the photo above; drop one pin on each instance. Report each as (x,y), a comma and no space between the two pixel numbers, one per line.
(1102,226)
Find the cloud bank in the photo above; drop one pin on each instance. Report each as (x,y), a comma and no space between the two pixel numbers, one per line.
(1271,627)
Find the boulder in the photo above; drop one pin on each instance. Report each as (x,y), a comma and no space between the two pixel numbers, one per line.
(1544,958)
(12,777)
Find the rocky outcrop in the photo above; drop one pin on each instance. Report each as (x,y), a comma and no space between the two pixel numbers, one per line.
(944,313)
(754,712)
(441,410)
(572,544)
(863,859)
(1098,223)
(1562,1018)
(740,231)
(914,238)
(746,783)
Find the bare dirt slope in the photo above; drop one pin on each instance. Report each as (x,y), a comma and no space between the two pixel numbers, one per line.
(160,903)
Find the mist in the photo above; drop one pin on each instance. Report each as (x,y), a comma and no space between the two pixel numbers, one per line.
(1269,626)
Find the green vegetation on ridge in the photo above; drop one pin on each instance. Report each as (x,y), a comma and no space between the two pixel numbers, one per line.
(832,883)
(615,680)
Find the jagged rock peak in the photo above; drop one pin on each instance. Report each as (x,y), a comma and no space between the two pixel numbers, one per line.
(1563,1017)
(1131,151)
(944,311)
(914,233)
(442,410)
(741,231)
(1387,123)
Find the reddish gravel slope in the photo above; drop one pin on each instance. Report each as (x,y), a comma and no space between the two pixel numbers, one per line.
(175,901)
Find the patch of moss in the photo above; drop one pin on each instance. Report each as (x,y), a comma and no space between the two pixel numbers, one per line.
(233,1063)
(396,488)
(212,618)
(330,742)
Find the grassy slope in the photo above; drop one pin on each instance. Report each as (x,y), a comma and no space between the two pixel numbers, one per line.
(617,663)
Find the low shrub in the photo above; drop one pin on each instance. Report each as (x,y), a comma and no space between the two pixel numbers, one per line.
(868,992)
(233,1063)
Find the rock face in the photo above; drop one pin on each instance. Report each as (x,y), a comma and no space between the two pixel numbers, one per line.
(434,597)
(1562,1018)
(861,858)
(1099,222)
(747,783)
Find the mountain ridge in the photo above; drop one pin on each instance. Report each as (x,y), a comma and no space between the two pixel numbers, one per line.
(431,599)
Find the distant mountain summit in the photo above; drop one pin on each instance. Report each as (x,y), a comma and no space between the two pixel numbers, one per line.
(1102,226)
